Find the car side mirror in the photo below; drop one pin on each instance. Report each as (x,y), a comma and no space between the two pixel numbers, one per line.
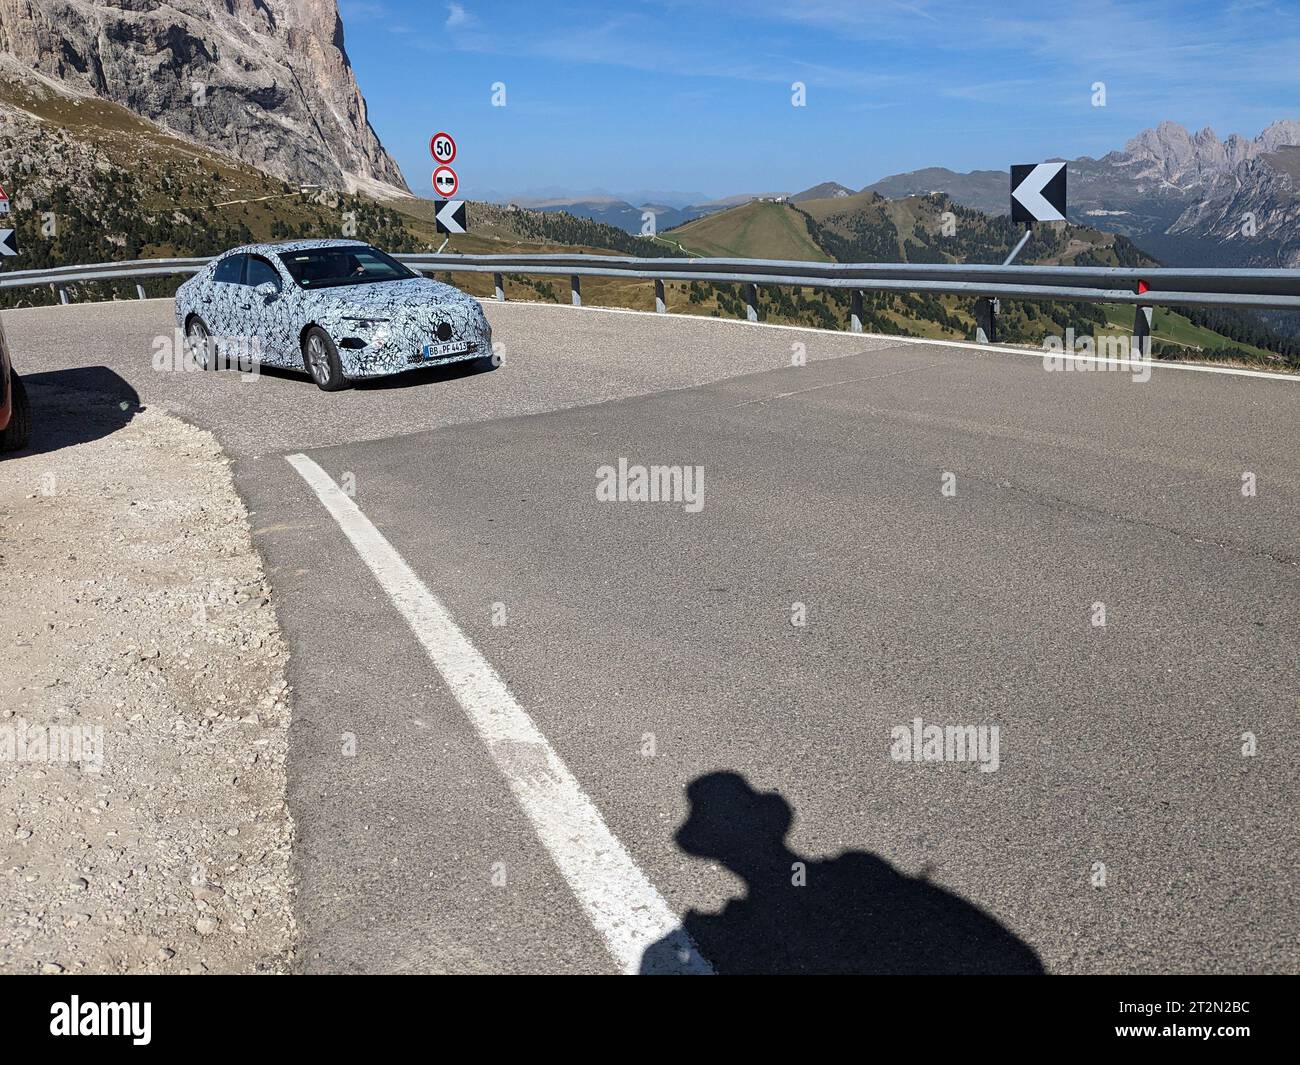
(267,290)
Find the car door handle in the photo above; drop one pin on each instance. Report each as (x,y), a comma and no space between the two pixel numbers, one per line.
(206,299)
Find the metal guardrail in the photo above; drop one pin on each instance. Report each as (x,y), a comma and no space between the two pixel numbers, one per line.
(62,275)
(59,277)
(1143,289)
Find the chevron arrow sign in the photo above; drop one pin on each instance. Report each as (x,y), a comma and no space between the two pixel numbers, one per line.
(1038,192)
(449,216)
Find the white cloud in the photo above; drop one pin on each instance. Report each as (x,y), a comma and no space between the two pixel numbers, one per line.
(458,17)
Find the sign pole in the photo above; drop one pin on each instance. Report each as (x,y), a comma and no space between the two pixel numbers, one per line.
(1029,230)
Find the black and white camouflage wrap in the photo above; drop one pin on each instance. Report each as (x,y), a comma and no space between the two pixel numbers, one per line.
(391,320)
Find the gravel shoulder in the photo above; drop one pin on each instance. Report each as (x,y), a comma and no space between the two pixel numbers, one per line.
(143,708)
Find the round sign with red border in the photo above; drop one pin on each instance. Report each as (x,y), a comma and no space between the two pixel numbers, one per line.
(445,181)
(442,147)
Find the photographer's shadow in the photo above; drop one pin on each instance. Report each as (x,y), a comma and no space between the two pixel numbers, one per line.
(853,914)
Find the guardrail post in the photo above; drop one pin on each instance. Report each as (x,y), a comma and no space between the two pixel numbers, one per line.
(751,302)
(575,289)
(855,312)
(661,304)
(1142,321)
(63,294)
(139,291)
(986,320)
(498,283)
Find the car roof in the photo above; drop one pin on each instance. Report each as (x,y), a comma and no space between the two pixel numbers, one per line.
(293,245)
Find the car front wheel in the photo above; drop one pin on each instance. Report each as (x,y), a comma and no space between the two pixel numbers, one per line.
(200,342)
(321,359)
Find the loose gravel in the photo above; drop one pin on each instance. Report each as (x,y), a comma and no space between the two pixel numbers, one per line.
(144,710)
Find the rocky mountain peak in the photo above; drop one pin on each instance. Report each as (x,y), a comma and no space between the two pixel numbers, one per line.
(1169,148)
(1281,134)
(1174,155)
(267,81)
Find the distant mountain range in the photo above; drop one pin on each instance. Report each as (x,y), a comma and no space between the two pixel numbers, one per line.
(616,212)
(631,218)
(1185,198)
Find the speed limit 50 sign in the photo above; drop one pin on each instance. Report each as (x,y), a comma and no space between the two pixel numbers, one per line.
(443,148)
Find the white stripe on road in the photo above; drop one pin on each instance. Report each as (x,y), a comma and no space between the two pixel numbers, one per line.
(618,898)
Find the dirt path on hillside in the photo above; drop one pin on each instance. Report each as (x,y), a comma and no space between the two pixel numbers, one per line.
(143,705)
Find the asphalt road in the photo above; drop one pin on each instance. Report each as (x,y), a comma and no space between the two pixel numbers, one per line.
(654,646)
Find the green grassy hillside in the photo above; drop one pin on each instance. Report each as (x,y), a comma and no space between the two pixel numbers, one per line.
(866,227)
(752,231)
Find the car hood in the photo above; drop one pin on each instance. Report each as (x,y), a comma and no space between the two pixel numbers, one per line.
(390,296)
(418,309)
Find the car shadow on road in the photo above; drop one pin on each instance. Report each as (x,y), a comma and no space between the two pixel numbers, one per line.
(75,406)
(854,913)
(428,375)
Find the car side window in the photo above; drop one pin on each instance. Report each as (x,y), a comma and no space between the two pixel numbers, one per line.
(259,272)
(230,270)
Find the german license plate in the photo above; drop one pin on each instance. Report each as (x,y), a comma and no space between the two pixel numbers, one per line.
(441,351)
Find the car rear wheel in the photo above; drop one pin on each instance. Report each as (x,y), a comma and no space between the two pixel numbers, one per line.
(19,430)
(320,357)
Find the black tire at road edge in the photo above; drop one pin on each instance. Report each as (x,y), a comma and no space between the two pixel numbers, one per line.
(335,381)
(19,430)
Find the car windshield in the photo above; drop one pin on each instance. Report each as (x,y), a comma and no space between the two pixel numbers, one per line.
(346,265)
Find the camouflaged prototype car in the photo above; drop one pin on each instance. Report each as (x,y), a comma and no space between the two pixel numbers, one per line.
(338,309)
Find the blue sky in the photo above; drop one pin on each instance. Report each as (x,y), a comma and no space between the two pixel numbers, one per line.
(695,97)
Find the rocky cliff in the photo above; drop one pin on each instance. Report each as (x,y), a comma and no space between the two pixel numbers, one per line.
(267,81)
(1253,211)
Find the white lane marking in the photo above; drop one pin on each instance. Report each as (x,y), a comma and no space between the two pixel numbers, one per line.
(619,900)
(983,349)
